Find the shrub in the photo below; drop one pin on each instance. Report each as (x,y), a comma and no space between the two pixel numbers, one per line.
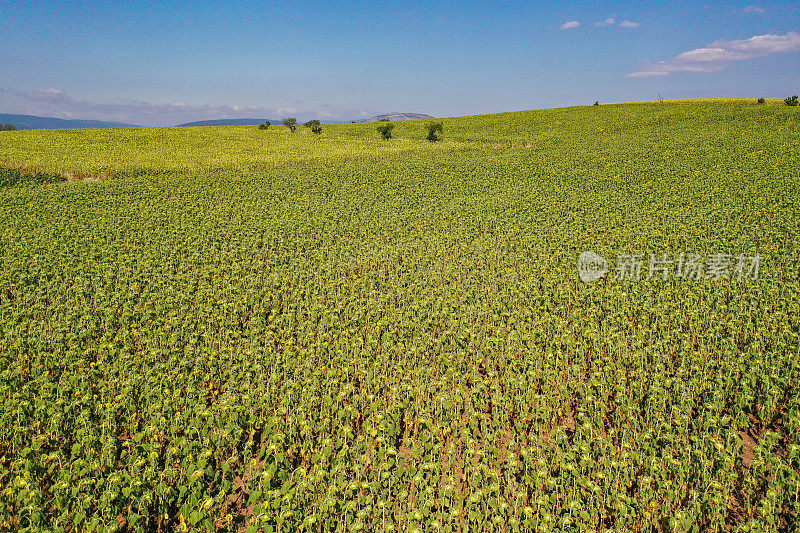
(311,123)
(290,123)
(265,125)
(791,101)
(433,129)
(597,103)
(316,129)
(761,100)
(7,127)
(385,129)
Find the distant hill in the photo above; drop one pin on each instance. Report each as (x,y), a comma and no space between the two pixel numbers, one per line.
(30,122)
(398,116)
(232,122)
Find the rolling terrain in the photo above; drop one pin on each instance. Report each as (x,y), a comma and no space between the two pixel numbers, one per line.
(393,117)
(238,329)
(30,122)
(231,122)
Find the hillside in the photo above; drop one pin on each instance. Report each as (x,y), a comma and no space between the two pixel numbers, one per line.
(222,329)
(547,133)
(392,117)
(231,122)
(30,122)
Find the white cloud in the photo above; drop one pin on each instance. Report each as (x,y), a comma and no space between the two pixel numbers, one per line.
(53,102)
(570,25)
(719,55)
(51,95)
(608,22)
(756,10)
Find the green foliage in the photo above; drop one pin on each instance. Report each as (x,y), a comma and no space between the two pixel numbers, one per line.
(11,177)
(435,130)
(761,100)
(316,129)
(7,127)
(340,333)
(312,123)
(265,125)
(290,123)
(791,101)
(385,130)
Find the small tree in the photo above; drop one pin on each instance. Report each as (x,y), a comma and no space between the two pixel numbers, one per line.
(433,129)
(316,129)
(311,123)
(385,130)
(7,127)
(265,125)
(791,101)
(597,103)
(290,123)
(761,100)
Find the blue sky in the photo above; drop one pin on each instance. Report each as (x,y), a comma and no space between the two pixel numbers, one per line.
(152,64)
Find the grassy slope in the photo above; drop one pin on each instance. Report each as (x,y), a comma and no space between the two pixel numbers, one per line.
(405,316)
(155,150)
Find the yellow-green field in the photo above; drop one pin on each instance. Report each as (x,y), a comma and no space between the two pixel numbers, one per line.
(236,329)
(104,153)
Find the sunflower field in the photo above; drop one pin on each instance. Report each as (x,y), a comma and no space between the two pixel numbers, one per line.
(227,329)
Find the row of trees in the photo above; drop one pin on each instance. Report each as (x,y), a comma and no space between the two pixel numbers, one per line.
(790,101)
(291,123)
(7,127)
(435,130)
